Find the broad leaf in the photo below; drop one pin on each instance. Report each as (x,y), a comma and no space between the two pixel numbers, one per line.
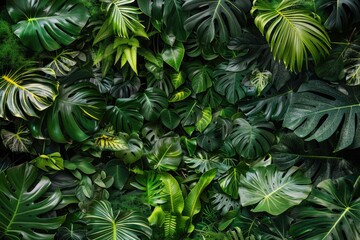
(75,112)
(125,116)
(152,101)
(352,62)
(229,84)
(334,214)
(175,200)
(188,111)
(173,55)
(200,76)
(205,119)
(23,203)
(342,13)
(252,140)
(118,171)
(318,110)
(52,161)
(292,33)
(103,223)
(134,150)
(47,24)
(224,203)
(166,154)
(203,162)
(19,141)
(125,86)
(169,118)
(272,190)
(25,92)
(220,18)
(180,95)
(62,63)
(178,79)
(211,139)
(230,181)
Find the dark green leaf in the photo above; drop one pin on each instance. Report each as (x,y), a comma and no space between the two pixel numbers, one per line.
(169,118)
(152,101)
(200,76)
(173,55)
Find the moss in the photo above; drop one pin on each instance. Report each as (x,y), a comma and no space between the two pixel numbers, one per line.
(12,53)
(93,6)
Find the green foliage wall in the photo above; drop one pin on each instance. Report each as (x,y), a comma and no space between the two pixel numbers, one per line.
(179,119)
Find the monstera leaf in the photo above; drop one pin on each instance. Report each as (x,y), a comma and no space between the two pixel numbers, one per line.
(125,116)
(26,91)
(47,24)
(352,62)
(222,18)
(75,113)
(229,84)
(125,86)
(200,76)
(166,154)
(334,214)
(292,33)
(230,181)
(252,140)
(104,224)
(342,12)
(203,162)
(152,101)
(317,111)
(272,190)
(23,203)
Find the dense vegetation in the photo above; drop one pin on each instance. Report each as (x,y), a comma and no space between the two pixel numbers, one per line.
(179,119)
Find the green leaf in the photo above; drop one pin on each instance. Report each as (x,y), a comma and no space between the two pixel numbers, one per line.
(118,171)
(75,112)
(124,115)
(261,80)
(224,203)
(192,201)
(252,140)
(109,142)
(17,142)
(25,92)
(317,111)
(205,119)
(230,181)
(47,24)
(52,161)
(152,101)
(169,118)
(103,223)
(180,95)
(203,162)
(334,213)
(222,18)
(23,202)
(229,84)
(272,190)
(173,55)
(134,150)
(125,86)
(178,79)
(122,18)
(175,200)
(200,76)
(188,111)
(190,145)
(342,13)
(166,154)
(62,63)
(291,32)
(211,138)
(352,63)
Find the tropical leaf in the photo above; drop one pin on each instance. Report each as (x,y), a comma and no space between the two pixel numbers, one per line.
(200,76)
(180,95)
(291,32)
(211,139)
(75,112)
(103,84)
(64,62)
(203,162)
(220,18)
(125,86)
(273,107)
(52,161)
(125,116)
(210,98)
(173,55)
(272,190)
(229,84)
(352,62)
(104,224)
(252,140)
(152,132)
(318,110)
(19,141)
(230,181)
(189,112)
(47,24)
(122,19)
(170,118)
(205,119)
(23,202)
(175,200)
(178,79)
(25,92)
(224,203)
(152,101)
(109,142)
(166,154)
(334,214)
(315,159)
(118,171)
(152,187)
(192,201)
(342,13)
(134,150)
(261,80)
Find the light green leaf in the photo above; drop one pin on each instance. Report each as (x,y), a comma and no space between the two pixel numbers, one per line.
(178,79)
(17,142)
(205,119)
(52,161)
(272,190)
(180,95)
(175,200)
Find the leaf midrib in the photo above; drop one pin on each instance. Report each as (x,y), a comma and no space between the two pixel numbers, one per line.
(16,209)
(347,209)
